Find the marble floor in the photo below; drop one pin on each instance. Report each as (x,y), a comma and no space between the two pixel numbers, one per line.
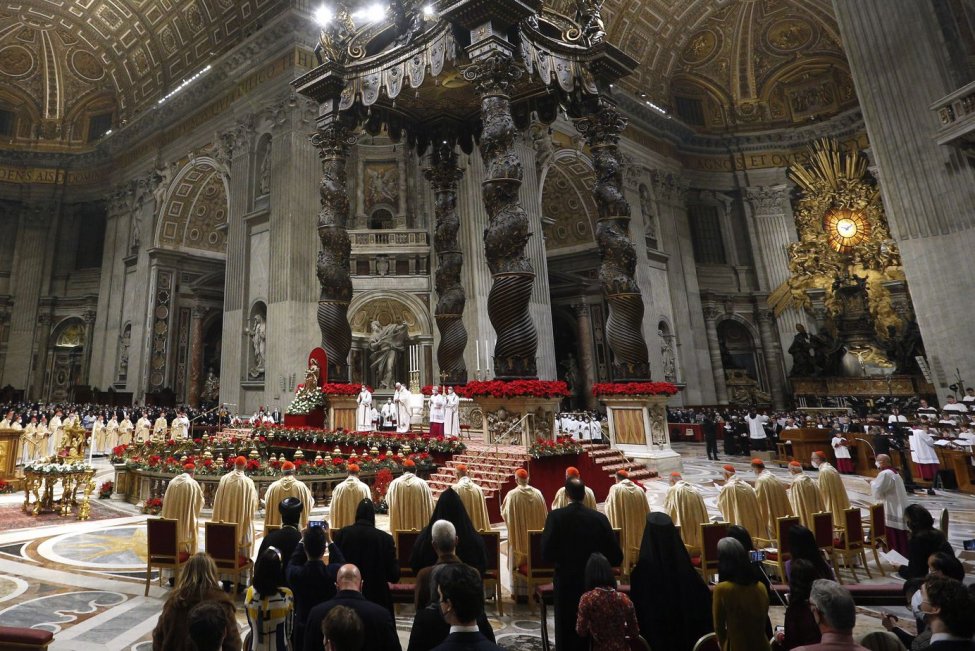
(85,580)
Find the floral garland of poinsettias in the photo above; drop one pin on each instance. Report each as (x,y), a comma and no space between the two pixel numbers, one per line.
(634,389)
(549,448)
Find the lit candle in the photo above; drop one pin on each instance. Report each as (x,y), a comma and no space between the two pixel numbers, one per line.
(477,353)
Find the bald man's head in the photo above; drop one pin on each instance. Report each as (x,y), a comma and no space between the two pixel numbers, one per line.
(883,461)
(349,578)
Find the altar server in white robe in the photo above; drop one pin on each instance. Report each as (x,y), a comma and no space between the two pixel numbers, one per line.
(56,429)
(363,410)
(888,488)
(451,419)
(401,399)
(438,412)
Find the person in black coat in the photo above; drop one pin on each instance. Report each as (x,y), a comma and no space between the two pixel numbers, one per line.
(288,536)
(461,603)
(470,545)
(373,552)
(710,429)
(379,625)
(571,535)
(677,617)
(948,605)
(924,540)
(312,581)
(430,628)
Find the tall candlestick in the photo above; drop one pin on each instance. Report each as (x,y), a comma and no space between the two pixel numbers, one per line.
(477,354)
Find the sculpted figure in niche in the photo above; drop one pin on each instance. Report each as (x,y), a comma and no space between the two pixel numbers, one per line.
(386,344)
(802,361)
(649,221)
(667,355)
(257,332)
(264,180)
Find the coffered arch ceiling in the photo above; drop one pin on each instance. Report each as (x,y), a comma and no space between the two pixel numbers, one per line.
(59,56)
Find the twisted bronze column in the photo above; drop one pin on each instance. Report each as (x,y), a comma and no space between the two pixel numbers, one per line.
(443,177)
(624,326)
(507,231)
(333,138)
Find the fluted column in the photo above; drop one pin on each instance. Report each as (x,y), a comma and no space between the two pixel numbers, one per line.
(334,137)
(711,314)
(444,176)
(624,325)
(587,355)
(507,232)
(196,355)
(773,355)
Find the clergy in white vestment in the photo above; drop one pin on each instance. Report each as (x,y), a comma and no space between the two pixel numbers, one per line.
(888,488)
(363,410)
(346,497)
(388,416)
(32,442)
(56,429)
(626,509)
(451,419)
(923,453)
(236,501)
(523,510)
(472,497)
(111,428)
(401,399)
(282,489)
(410,501)
(181,427)
(685,506)
(438,406)
(125,429)
(160,427)
(561,500)
(142,427)
(182,502)
(99,435)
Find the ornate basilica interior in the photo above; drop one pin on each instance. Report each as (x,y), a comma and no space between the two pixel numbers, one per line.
(796,186)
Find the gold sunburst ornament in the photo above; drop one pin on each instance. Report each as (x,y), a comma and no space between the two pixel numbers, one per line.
(842,232)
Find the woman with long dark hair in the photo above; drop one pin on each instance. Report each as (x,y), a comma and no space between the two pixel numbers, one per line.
(675,617)
(197,582)
(470,546)
(800,625)
(605,615)
(740,601)
(923,540)
(802,545)
(269,605)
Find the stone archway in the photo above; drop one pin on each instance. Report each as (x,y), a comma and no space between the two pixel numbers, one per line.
(194,214)
(569,211)
(387,308)
(66,352)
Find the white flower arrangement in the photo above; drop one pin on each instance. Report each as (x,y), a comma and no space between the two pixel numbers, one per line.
(47,468)
(305,402)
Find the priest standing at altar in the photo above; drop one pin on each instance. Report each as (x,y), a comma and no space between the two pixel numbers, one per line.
(451,421)
(401,400)
(438,405)
(363,412)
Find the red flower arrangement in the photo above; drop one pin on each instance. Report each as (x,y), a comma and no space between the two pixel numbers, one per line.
(340,389)
(515,389)
(549,448)
(153,505)
(6,487)
(634,389)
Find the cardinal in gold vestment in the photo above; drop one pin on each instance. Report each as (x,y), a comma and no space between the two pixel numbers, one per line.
(182,502)
(236,501)
(523,510)
(685,506)
(284,488)
(473,498)
(561,500)
(739,503)
(410,501)
(772,499)
(626,509)
(346,497)
(804,495)
(831,486)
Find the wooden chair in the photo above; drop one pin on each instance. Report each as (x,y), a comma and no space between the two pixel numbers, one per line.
(782,553)
(405,541)
(711,533)
(851,545)
(535,569)
(162,542)
(24,639)
(825,538)
(268,528)
(707,643)
(221,545)
(876,537)
(492,572)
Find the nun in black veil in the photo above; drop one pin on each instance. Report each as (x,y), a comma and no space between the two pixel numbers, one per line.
(470,546)
(672,601)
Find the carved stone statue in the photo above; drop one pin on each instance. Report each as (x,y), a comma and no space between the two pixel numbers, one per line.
(211,387)
(312,375)
(163,177)
(827,352)
(589,17)
(258,333)
(331,41)
(667,356)
(802,362)
(649,221)
(571,373)
(123,354)
(264,180)
(387,344)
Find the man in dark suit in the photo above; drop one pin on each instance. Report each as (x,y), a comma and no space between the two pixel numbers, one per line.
(288,536)
(710,429)
(571,535)
(948,605)
(311,580)
(377,622)
(373,552)
(461,595)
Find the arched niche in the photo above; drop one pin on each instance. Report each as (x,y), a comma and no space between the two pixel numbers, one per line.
(381,218)
(66,359)
(569,211)
(387,308)
(194,213)
(124,346)
(736,339)
(262,169)
(256,333)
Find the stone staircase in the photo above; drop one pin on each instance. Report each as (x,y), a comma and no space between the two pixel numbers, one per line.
(487,465)
(611,460)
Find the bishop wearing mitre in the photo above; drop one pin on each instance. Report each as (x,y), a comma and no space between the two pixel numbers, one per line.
(738,503)
(772,499)
(346,497)
(561,500)
(523,510)
(626,509)
(236,501)
(125,429)
(142,428)
(284,488)
(804,495)
(99,435)
(473,498)
(112,437)
(410,501)
(685,506)
(182,502)
(835,499)
(160,427)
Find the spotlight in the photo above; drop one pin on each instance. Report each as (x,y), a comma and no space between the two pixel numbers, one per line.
(428,11)
(323,15)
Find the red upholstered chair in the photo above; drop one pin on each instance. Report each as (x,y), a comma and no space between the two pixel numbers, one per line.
(707,643)
(492,573)
(707,562)
(782,553)
(850,545)
(221,545)
(162,548)
(24,639)
(876,536)
(405,541)
(826,538)
(535,569)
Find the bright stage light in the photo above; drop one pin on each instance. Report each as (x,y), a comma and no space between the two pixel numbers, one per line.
(323,15)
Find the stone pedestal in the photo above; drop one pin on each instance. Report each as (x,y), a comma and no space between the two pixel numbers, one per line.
(120,485)
(501,419)
(638,428)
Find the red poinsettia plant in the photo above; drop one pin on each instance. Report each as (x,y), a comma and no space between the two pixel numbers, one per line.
(514,389)
(634,389)
(152,506)
(340,389)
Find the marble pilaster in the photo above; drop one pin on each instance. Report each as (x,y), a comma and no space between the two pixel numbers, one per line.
(773,355)
(711,313)
(587,355)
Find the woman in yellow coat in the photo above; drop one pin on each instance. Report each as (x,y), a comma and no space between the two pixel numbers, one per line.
(739,602)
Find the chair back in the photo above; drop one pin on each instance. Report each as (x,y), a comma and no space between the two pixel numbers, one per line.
(637,643)
(711,533)
(707,643)
(853,523)
(221,543)
(162,538)
(405,541)
(823,529)
(492,547)
(535,559)
(878,521)
(783,526)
